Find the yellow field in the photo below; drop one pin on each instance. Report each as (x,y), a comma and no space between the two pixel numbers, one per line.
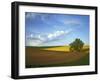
(62,48)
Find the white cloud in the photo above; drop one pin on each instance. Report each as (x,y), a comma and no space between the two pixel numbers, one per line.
(32,42)
(37,40)
(41,37)
(57,34)
(50,36)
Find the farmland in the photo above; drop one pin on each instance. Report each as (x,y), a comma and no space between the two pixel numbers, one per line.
(55,56)
(58,48)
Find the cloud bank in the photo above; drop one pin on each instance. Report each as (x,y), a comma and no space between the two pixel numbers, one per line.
(34,40)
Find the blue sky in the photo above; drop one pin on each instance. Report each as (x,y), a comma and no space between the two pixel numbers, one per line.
(47,29)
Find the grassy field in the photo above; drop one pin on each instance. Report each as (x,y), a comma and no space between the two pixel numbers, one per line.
(55,56)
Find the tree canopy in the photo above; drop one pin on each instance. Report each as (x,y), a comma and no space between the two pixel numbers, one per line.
(76,45)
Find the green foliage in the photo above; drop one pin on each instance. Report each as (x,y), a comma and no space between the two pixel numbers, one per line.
(76,45)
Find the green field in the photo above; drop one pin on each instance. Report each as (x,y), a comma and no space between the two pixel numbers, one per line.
(55,56)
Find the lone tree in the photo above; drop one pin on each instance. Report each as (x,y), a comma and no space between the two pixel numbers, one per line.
(76,45)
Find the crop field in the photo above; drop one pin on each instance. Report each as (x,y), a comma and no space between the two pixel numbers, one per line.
(55,56)
(58,48)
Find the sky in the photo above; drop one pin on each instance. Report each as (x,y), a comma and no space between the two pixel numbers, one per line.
(53,29)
